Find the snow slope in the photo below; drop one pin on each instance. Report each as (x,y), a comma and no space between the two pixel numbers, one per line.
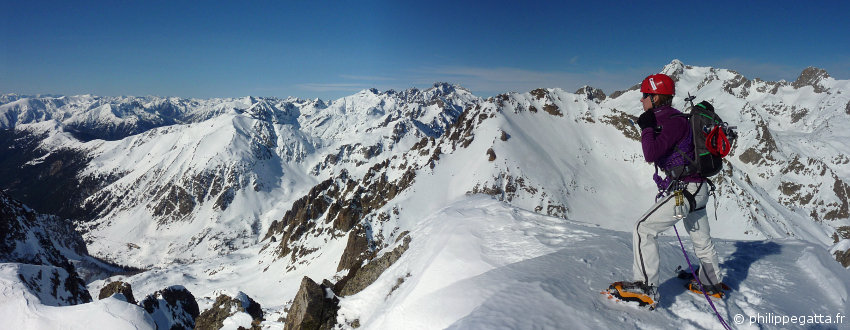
(20,309)
(480,264)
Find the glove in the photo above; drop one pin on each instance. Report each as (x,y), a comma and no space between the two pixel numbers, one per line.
(647,119)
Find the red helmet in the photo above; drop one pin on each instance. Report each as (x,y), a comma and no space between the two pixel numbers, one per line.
(658,84)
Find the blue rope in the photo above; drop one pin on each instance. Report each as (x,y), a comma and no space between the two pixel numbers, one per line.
(726,326)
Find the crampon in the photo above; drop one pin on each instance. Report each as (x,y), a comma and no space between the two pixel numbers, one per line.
(632,291)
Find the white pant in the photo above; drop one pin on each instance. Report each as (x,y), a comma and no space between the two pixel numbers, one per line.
(660,218)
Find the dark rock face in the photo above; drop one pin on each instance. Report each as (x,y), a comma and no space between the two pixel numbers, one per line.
(361,278)
(54,286)
(811,76)
(553,110)
(174,201)
(842,232)
(842,209)
(312,309)
(624,123)
(172,308)
(491,155)
(34,241)
(591,93)
(735,83)
(226,306)
(843,257)
(342,201)
(118,287)
(356,250)
(762,153)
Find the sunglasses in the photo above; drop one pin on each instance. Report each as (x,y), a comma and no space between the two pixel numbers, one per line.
(645,95)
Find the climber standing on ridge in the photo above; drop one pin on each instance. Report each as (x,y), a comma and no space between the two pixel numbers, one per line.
(666,138)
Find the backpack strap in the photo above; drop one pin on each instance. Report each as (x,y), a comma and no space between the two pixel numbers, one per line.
(693,162)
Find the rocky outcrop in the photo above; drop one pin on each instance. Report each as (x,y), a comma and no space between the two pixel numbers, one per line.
(840,233)
(506,187)
(54,286)
(359,279)
(35,241)
(172,308)
(762,152)
(738,86)
(491,155)
(314,307)
(356,250)
(591,93)
(623,122)
(118,287)
(342,201)
(811,76)
(839,209)
(843,257)
(841,250)
(226,306)
(553,110)
(675,69)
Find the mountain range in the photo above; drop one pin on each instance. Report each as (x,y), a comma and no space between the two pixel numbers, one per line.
(236,194)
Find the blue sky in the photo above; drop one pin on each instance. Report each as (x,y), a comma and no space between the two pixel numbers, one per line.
(330,49)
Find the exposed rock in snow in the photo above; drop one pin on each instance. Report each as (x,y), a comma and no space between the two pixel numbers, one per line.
(227,309)
(314,307)
(118,287)
(172,308)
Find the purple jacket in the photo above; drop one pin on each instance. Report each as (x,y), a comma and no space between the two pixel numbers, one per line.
(660,148)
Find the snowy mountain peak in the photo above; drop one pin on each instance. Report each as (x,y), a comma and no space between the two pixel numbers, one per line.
(812,76)
(446,88)
(674,69)
(591,93)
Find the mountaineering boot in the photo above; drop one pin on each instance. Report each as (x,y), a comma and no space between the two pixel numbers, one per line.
(644,295)
(716,291)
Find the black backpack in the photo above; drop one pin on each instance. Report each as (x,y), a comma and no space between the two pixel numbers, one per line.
(712,138)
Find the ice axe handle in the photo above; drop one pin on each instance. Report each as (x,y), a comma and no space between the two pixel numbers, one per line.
(690,99)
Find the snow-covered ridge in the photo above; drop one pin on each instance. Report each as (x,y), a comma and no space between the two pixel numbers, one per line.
(113,118)
(788,174)
(258,195)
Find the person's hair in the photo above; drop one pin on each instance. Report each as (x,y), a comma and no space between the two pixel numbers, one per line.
(664,100)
